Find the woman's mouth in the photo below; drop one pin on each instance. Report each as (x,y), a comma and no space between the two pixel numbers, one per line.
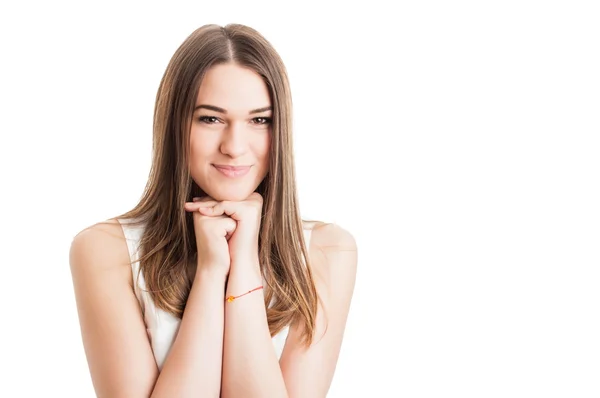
(232,171)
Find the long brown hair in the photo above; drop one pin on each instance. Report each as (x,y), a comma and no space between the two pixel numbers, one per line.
(168,242)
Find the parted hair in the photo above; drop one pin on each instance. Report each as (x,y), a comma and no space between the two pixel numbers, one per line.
(168,245)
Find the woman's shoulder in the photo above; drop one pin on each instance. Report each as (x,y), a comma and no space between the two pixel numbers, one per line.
(108,232)
(100,247)
(102,233)
(332,252)
(333,262)
(329,235)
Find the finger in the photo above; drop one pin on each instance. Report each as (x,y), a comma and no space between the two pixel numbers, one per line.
(193,206)
(211,211)
(231,209)
(189,206)
(230,226)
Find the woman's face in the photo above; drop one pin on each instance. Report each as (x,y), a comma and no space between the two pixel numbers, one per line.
(231,133)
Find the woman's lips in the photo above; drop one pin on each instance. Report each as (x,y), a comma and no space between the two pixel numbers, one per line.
(232,171)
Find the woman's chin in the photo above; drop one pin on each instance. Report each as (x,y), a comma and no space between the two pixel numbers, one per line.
(233,195)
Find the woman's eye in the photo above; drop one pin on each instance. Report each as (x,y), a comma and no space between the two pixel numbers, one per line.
(208,119)
(262,120)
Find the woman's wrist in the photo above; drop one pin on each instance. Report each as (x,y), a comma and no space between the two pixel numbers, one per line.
(243,277)
(214,274)
(247,267)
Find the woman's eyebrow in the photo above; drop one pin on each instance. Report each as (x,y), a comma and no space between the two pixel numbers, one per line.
(224,111)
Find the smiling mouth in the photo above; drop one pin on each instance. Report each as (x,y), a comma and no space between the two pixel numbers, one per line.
(232,171)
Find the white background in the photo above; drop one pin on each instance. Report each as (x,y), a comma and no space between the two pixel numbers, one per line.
(457,141)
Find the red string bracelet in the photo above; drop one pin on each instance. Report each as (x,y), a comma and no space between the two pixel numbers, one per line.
(231,298)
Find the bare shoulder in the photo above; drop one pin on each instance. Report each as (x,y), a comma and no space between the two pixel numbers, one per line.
(102,230)
(333,250)
(332,236)
(113,331)
(100,246)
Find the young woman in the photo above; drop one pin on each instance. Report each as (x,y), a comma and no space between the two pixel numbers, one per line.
(213,285)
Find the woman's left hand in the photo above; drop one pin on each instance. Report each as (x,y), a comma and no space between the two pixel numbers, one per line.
(243,243)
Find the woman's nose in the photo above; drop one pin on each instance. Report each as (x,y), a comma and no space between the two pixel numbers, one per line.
(234,141)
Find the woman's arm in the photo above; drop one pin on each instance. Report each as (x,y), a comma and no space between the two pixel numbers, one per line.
(193,366)
(308,372)
(114,335)
(250,365)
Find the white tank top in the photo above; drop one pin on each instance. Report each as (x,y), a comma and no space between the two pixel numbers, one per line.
(161,326)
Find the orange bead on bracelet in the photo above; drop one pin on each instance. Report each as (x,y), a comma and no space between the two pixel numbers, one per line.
(231,298)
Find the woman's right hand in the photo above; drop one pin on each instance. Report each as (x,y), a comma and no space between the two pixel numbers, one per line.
(212,234)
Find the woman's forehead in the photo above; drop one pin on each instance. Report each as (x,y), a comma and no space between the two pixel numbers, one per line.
(233,88)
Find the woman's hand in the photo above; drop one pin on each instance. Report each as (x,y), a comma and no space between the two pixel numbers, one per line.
(212,233)
(243,243)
